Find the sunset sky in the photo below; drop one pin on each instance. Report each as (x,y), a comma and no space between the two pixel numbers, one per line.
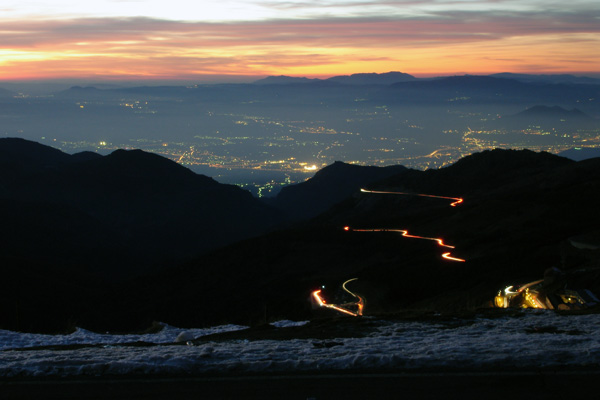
(217,40)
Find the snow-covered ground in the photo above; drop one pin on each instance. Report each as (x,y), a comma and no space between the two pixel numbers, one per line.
(532,340)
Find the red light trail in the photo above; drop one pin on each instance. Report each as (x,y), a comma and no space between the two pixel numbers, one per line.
(457,200)
(341,308)
(405,233)
(359,304)
(440,242)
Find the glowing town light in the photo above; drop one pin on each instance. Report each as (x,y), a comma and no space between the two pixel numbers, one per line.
(310,168)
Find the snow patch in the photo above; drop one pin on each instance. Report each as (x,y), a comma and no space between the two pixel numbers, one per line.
(532,340)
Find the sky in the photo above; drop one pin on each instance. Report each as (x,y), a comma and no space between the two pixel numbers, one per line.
(229,40)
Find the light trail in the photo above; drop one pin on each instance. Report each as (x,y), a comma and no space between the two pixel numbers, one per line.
(457,200)
(342,307)
(405,233)
(317,296)
(361,302)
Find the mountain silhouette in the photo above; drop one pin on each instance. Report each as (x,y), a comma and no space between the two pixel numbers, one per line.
(283,80)
(152,209)
(550,118)
(387,78)
(520,211)
(540,111)
(327,187)
(484,89)
(552,78)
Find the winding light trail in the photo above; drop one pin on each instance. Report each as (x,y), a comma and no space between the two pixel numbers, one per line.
(457,201)
(405,233)
(360,303)
(341,308)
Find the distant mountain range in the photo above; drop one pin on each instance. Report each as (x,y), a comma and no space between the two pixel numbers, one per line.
(73,224)
(390,88)
(387,78)
(557,78)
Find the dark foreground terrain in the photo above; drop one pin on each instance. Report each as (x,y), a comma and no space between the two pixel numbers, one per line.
(114,243)
(428,385)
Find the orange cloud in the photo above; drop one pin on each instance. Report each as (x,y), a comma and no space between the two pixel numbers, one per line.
(444,44)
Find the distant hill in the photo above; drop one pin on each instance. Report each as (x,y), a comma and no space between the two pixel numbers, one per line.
(558,78)
(373,88)
(387,78)
(549,117)
(540,111)
(328,186)
(484,89)
(355,79)
(283,80)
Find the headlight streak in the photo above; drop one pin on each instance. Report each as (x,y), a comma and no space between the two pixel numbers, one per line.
(321,302)
(360,303)
(446,256)
(405,233)
(457,200)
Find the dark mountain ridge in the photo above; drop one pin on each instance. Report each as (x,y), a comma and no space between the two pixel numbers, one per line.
(369,88)
(327,187)
(520,210)
(515,222)
(387,78)
(157,210)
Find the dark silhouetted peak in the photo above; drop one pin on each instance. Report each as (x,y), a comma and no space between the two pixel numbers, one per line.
(341,171)
(329,186)
(501,162)
(387,78)
(138,163)
(26,152)
(85,156)
(283,80)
